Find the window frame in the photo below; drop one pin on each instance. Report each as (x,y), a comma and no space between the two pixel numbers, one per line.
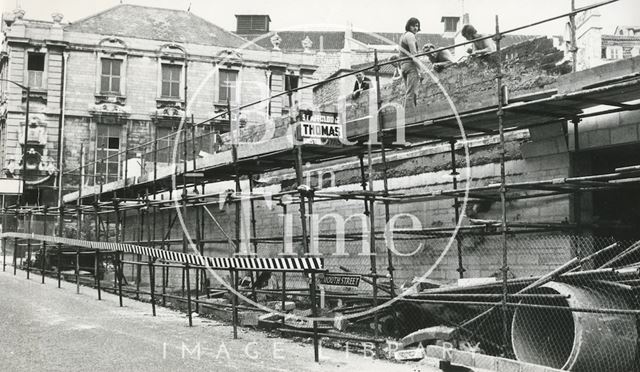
(614,52)
(287,79)
(110,76)
(103,150)
(164,146)
(233,92)
(43,72)
(180,80)
(111,48)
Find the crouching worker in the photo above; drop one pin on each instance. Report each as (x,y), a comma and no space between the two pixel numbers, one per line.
(440,59)
(479,47)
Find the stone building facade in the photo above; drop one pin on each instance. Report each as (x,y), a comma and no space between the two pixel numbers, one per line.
(111,81)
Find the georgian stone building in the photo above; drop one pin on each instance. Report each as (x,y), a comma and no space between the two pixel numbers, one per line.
(112,81)
(596,47)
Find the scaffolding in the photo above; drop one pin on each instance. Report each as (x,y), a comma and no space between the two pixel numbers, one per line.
(106,206)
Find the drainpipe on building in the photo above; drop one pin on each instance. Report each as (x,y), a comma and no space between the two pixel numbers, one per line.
(63,102)
(186,87)
(24,152)
(270,80)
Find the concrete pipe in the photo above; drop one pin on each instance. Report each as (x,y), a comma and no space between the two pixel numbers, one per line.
(576,341)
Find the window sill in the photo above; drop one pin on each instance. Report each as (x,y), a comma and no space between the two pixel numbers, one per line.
(162,102)
(35,94)
(109,94)
(110,98)
(219,108)
(38,90)
(170,99)
(167,106)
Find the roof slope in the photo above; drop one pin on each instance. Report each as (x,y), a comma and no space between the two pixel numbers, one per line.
(144,22)
(292,40)
(334,40)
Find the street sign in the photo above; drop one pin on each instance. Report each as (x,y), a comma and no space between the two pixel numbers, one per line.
(342,280)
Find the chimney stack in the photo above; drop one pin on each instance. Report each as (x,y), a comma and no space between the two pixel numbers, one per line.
(252,24)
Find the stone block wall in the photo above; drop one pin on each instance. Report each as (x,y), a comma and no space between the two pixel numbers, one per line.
(426,170)
(77,134)
(608,130)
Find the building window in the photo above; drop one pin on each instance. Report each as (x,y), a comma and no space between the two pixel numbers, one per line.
(166,141)
(171,81)
(451,24)
(107,151)
(35,67)
(227,87)
(290,82)
(110,76)
(614,52)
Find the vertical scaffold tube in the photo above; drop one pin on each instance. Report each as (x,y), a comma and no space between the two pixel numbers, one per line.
(503,192)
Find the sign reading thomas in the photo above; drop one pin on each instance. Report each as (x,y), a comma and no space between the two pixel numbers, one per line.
(316,128)
(320,130)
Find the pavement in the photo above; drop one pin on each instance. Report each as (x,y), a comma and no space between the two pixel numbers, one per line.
(50,329)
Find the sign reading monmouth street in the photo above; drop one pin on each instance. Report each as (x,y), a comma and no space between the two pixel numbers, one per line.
(344,280)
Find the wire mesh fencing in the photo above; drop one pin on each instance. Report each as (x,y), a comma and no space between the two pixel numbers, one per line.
(566,301)
(562,300)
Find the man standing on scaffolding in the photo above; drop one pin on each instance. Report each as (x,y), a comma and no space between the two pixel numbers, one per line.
(409,48)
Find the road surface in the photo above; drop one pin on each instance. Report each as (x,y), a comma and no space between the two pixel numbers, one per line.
(51,329)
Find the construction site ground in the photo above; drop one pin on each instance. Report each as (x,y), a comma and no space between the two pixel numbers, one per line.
(53,329)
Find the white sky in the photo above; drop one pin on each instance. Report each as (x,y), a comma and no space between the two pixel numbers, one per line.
(365,15)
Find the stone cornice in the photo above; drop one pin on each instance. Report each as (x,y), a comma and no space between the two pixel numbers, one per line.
(135,52)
